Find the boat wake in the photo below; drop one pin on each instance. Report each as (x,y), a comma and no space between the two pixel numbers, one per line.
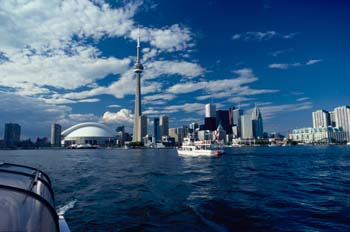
(63,209)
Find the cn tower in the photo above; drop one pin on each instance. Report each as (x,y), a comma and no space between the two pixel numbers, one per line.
(138,69)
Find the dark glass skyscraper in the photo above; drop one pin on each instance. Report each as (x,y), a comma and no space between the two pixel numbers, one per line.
(257,121)
(12,134)
(222,118)
(156,129)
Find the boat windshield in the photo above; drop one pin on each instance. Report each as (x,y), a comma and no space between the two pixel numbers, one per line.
(27,200)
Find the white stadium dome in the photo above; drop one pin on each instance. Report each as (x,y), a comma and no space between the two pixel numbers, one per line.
(88,133)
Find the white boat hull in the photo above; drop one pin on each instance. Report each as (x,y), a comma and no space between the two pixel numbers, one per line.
(194,153)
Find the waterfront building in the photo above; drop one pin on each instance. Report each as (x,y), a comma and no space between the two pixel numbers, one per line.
(156,130)
(194,126)
(12,134)
(210,123)
(139,120)
(182,132)
(246,127)
(332,118)
(321,118)
(222,118)
(121,138)
(257,123)
(56,130)
(88,133)
(237,113)
(210,120)
(210,110)
(342,119)
(230,115)
(173,134)
(219,134)
(144,125)
(164,125)
(204,135)
(318,135)
(235,131)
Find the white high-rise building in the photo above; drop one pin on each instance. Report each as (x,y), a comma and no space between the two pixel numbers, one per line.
(56,130)
(321,118)
(246,127)
(342,119)
(210,110)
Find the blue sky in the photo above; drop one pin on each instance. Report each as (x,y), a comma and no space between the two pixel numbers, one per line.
(70,61)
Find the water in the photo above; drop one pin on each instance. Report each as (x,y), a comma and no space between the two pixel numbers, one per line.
(248,189)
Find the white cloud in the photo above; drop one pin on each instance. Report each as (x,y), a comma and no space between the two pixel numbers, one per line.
(287,66)
(122,116)
(187,107)
(173,38)
(303,99)
(49,44)
(89,100)
(284,66)
(261,36)
(222,88)
(185,69)
(114,106)
(311,62)
(126,84)
(271,111)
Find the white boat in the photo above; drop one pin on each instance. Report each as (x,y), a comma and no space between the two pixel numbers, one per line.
(199,148)
(348,143)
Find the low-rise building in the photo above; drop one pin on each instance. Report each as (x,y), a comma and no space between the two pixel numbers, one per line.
(318,135)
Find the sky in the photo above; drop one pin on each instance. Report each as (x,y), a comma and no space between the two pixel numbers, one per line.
(70,61)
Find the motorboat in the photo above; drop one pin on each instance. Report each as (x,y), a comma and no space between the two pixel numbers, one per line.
(27,201)
(199,148)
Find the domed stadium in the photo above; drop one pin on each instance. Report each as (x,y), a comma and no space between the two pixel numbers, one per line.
(88,133)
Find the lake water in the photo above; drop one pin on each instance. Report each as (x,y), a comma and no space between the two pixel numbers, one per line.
(247,189)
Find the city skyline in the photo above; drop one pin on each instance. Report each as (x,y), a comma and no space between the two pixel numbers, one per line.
(70,71)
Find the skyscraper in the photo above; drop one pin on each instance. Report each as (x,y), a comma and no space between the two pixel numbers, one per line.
(222,118)
(210,110)
(156,129)
(210,120)
(230,115)
(144,126)
(237,113)
(164,125)
(138,121)
(257,123)
(56,130)
(246,127)
(12,134)
(321,118)
(342,119)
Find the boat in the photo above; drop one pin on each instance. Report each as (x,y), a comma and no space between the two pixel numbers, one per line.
(348,143)
(199,148)
(27,201)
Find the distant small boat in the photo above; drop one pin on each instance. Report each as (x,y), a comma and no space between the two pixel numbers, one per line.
(348,143)
(199,148)
(82,146)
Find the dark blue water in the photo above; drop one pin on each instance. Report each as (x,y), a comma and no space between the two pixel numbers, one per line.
(248,189)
